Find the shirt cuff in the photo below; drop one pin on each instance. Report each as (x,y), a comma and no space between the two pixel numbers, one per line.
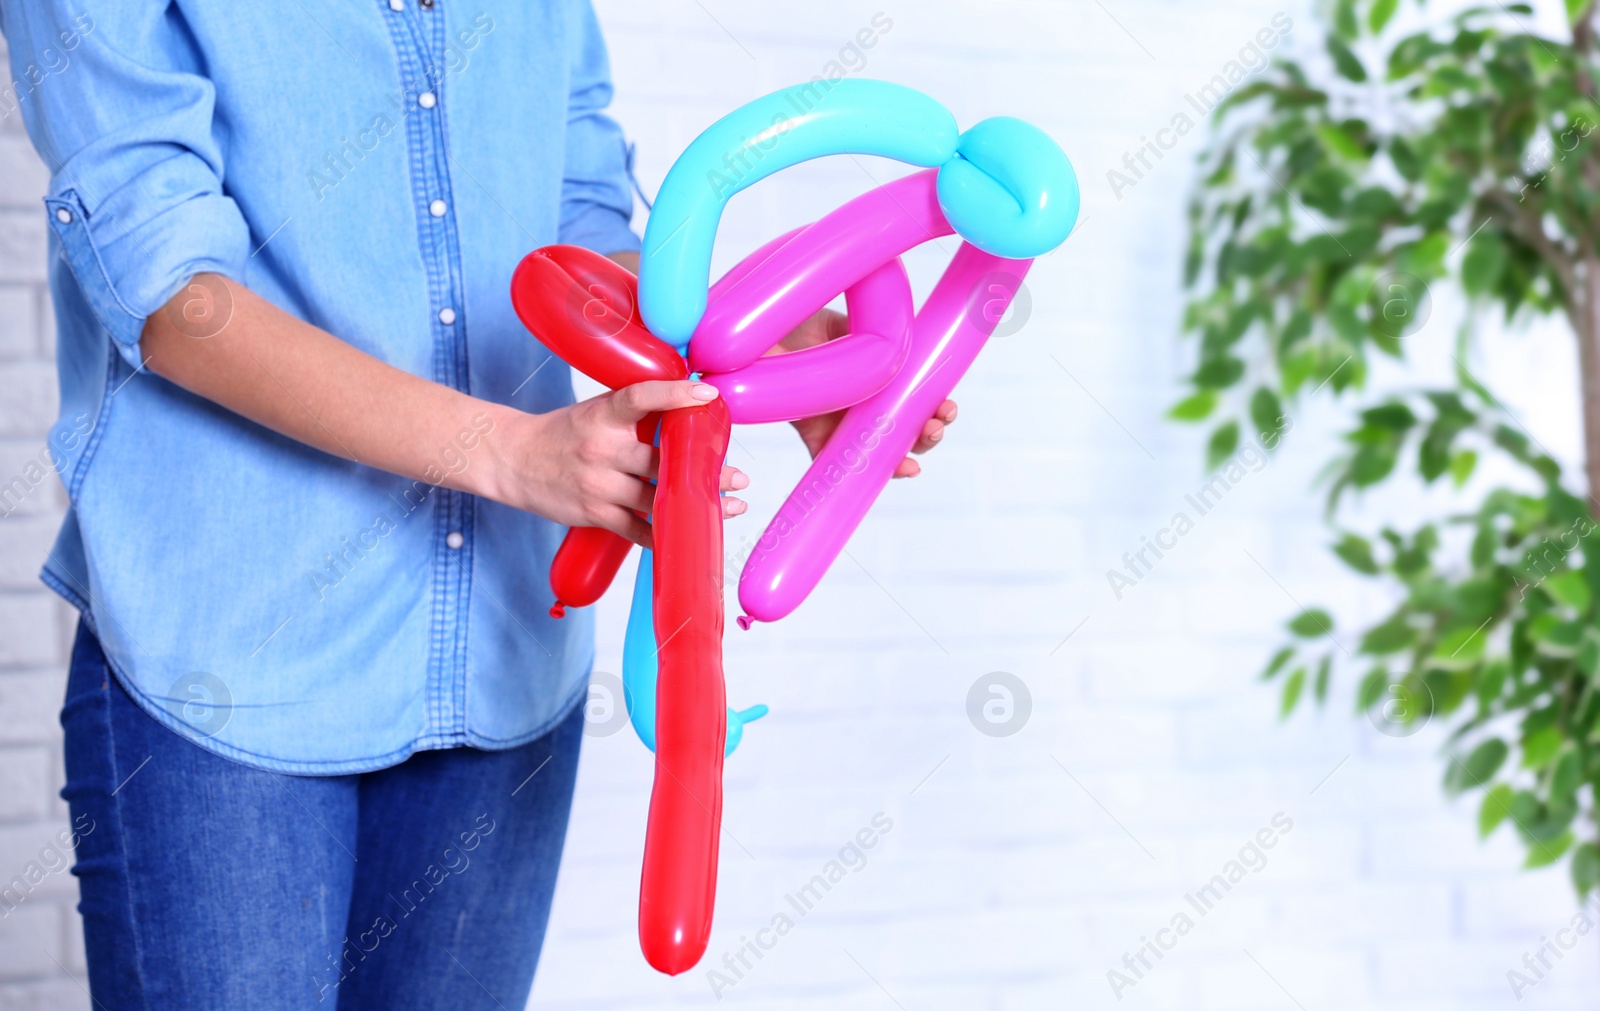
(600,228)
(127,272)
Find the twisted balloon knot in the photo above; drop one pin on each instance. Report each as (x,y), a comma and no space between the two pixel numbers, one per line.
(1004,185)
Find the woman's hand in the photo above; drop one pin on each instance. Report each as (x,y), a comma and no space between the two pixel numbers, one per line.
(828,325)
(584,465)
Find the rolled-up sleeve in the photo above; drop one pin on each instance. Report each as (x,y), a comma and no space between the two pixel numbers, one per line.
(596,201)
(114,99)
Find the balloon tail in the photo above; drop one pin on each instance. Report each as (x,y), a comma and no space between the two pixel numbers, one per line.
(744,621)
(558,610)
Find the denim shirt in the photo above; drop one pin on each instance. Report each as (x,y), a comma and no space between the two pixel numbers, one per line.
(377,168)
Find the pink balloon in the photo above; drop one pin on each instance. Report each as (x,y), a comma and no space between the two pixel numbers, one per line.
(835,375)
(756,304)
(844,480)
(751,262)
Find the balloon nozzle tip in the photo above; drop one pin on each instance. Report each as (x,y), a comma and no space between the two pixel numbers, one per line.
(558,610)
(744,621)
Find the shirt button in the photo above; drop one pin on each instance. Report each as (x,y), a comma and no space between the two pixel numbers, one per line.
(447,315)
(437,208)
(397,5)
(62,215)
(454,540)
(427,100)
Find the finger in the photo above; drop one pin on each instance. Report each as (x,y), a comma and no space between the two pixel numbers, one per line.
(622,491)
(732,507)
(631,403)
(932,432)
(625,524)
(734,479)
(946,412)
(636,458)
(908,468)
(820,327)
(816,431)
(836,324)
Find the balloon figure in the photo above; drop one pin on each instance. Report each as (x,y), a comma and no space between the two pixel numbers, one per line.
(1003,186)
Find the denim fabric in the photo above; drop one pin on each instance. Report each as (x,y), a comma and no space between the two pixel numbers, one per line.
(377,169)
(208,884)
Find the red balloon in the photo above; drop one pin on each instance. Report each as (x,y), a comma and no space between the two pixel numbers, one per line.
(585,309)
(677,892)
(584,566)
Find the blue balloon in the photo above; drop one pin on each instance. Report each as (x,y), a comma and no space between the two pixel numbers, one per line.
(1012,192)
(639,667)
(639,655)
(853,116)
(1004,185)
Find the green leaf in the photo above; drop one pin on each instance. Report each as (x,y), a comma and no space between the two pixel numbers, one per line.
(1477,768)
(1196,407)
(1297,329)
(1554,637)
(1484,263)
(1371,689)
(1569,588)
(1460,647)
(1291,692)
(1222,445)
(1492,680)
(1496,805)
(1345,61)
(1585,868)
(1391,417)
(1340,142)
(1380,14)
(1512,441)
(1276,663)
(1461,465)
(1525,811)
(1356,552)
(1539,747)
(1588,658)
(1391,636)
(1372,464)
(1575,9)
(1567,774)
(1543,854)
(1266,413)
(1324,675)
(1344,19)
(1311,623)
(1406,160)
(1220,372)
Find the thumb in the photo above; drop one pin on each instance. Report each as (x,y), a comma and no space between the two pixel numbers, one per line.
(631,403)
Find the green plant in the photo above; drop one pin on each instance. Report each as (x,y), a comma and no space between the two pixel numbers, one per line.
(1334,196)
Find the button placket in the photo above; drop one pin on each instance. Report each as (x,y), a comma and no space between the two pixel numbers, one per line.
(415,38)
(456,509)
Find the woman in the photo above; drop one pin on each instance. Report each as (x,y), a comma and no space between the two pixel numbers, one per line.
(320,730)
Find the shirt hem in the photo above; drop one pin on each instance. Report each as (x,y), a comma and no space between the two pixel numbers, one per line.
(332,767)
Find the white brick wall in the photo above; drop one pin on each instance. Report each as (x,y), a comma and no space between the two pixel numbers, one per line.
(1018,869)
(40,941)
(1004,883)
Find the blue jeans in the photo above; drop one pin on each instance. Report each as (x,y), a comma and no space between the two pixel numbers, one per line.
(208,884)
